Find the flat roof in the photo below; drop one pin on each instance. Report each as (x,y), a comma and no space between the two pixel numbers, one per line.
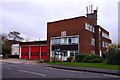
(67,19)
(34,42)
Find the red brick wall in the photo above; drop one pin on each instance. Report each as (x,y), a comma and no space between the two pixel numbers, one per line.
(75,26)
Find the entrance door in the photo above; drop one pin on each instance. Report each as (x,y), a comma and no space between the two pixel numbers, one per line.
(24,52)
(64,55)
(34,52)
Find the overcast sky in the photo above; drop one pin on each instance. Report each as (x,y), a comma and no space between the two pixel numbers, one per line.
(30,17)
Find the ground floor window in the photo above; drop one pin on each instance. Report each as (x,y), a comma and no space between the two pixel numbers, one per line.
(73,53)
(65,54)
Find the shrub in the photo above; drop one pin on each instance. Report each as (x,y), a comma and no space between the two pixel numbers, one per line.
(73,60)
(69,59)
(92,59)
(54,59)
(46,60)
(41,60)
(80,57)
(113,57)
(96,60)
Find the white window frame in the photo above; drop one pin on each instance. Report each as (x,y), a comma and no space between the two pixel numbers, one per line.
(63,34)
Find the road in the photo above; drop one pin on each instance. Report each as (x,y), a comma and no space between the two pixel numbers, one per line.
(20,70)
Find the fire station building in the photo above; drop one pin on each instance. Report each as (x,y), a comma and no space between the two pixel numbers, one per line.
(79,35)
(33,50)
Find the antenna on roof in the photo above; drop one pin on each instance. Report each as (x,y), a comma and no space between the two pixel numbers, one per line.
(91,8)
(87,9)
(97,8)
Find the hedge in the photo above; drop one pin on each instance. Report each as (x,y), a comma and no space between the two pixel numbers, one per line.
(80,57)
(93,59)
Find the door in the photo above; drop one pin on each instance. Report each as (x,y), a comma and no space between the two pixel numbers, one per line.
(24,52)
(43,52)
(34,52)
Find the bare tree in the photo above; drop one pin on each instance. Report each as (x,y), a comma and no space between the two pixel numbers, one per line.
(15,36)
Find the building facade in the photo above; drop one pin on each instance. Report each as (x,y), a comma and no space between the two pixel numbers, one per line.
(15,50)
(33,50)
(79,35)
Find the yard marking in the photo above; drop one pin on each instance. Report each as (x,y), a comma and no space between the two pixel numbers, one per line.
(10,68)
(32,73)
(64,70)
(38,74)
(111,75)
(24,71)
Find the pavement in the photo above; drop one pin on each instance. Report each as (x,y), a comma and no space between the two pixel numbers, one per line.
(17,60)
(86,69)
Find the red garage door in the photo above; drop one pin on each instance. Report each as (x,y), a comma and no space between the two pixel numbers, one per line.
(43,52)
(34,52)
(24,52)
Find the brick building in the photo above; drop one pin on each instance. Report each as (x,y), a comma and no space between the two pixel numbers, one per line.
(79,35)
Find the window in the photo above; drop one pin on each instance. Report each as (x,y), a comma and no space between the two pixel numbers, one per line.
(62,40)
(74,40)
(93,51)
(63,34)
(55,41)
(58,41)
(65,40)
(105,44)
(73,53)
(89,27)
(105,35)
(93,29)
(93,41)
(69,41)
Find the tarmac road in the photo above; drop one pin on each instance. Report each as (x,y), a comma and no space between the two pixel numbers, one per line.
(31,71)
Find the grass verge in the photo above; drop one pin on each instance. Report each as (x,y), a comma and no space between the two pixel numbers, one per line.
(94,65)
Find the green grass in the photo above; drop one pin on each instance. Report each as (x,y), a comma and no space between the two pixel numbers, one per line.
(94,65)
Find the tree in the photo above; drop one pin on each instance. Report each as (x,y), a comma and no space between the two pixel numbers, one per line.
(6,42)
(15,36)
(113,54)
(113,47)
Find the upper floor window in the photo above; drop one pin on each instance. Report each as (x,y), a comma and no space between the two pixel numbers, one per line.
(93,41)
(65,40)
(105,35)
(63,34)
(73,40)
(105,44)
(89,27)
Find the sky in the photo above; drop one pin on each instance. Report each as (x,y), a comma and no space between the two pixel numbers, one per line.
(30,17)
